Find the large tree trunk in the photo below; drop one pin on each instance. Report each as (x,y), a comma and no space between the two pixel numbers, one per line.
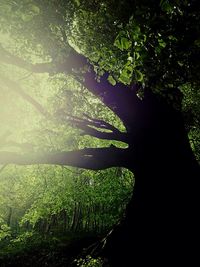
(161,223)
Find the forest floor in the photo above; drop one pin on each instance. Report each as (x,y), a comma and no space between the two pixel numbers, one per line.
(54,252)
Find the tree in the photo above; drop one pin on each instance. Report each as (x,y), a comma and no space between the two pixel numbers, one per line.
(139,72)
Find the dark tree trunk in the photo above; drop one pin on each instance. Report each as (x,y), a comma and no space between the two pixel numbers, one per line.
(161,222)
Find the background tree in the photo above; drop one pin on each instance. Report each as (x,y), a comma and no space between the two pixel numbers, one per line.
(142,64)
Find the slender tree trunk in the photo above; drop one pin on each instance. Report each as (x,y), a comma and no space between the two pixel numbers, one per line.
(9,218)
(74,217)
(79,225)
(88,218)
(64,219)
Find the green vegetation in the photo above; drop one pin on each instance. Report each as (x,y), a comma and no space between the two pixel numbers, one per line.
(89,262)
(46,205)
(99,108)
(49,206)
(56,201)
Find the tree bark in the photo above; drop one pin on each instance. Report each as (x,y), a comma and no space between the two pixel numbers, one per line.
(161,225)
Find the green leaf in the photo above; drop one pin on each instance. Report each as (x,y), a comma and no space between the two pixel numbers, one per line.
(136,55)
(162,43)
(77,2)
(35,9)
(26,17)
(197,42)
(122,43)
(165,6)
(139,76)
(125,43)
(124,78)
(111,80)
(126,73)
(117,43)
(172,38)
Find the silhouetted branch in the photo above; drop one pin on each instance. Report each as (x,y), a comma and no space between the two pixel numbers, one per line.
(101,123)
(91,126)
(88,158)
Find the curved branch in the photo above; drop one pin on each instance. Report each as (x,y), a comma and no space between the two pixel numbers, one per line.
(104,135)
(91,126)
(88,158)
(101,124)
(119,98)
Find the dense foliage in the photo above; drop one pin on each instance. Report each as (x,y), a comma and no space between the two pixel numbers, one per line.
(45,107)
(46,202)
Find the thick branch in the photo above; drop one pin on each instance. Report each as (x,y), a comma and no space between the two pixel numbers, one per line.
(119,98)
(88,158)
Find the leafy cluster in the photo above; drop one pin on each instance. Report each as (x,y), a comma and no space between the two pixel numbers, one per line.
(89,262)
(4,230)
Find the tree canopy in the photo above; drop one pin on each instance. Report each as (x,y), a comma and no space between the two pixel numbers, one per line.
(101,84)
(153,44)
